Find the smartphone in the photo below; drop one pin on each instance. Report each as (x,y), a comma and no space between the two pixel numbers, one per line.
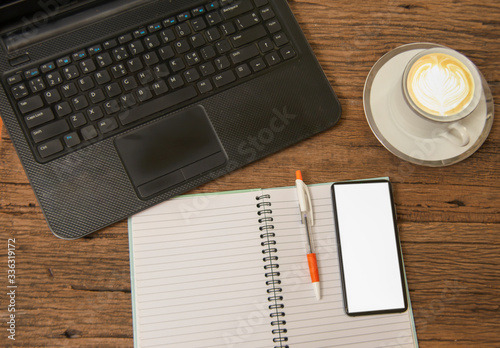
(371,264)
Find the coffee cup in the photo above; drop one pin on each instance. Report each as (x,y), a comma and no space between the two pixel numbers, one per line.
(439,88)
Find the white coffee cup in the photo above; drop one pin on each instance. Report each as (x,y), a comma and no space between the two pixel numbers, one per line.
(439,87)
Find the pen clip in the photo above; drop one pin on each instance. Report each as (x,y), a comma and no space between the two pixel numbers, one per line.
(305,204)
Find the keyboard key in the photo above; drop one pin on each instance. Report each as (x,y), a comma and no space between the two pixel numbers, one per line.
(228,28)
(161,71)
(243,70)
(208,52)
(266,45)
(159,87)
(85,83)
(207,69)
(54,78)
(125,38)
(94,50)
(63,61)
(63,109)
(14,79)
(182,29)
(260,3)
(87,66)
(175,81)
(223,46)
(249,35)
(113,89)
(134,65)
(287,52)
(79,55)
(30,104)
(191,75)
(167,35)
(19,91)
(129,83)
(136,47)
(71,72)
(273,26)
(182,46)
(192,58)
(243,54)
(128,100)
(198,11)
(102,77)
(267,13)
(154,27)
(257,64)
(110,44)
(204,86)
(152,41)
(118,71)
(145,77)
(158,104)
(150,58)
(169,21)
(120,53)
(45,68)
(50,148)
(104,60)
(198,24)
(31,73)
(77,120)
(49,131)
(143,94)
(80,102)
(89,132)
(247,21)
(52,96)
(224,78)
(69,90)
(280,39)
(197,40)
(140,33)
(39,117)
(213,18)
(183,16)
(71,139)
(166,52)
(212,6)
(177,64)
(37,85)
(272,58)
(222,63)
(236,9)
(93,113)
(111,107)
(107,125)
(212,34)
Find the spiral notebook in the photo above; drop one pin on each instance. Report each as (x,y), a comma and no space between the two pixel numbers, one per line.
(229,270)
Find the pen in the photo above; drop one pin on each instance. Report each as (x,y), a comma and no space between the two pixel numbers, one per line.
(307,218)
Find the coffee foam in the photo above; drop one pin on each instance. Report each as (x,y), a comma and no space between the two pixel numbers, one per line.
(440,84)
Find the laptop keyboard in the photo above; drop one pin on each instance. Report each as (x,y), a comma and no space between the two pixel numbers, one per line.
(99,91)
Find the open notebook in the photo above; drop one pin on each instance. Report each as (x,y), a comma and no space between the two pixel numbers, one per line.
(230,270)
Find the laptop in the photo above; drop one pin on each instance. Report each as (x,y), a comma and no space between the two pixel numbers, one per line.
(115,106)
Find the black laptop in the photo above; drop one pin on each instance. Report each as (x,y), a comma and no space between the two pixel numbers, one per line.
(114,106)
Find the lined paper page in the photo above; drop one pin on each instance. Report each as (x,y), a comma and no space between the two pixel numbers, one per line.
(313,323)
(198,277)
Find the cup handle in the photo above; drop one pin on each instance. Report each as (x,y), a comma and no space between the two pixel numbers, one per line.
(457,134)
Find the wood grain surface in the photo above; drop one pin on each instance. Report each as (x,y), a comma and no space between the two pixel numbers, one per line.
(77,293)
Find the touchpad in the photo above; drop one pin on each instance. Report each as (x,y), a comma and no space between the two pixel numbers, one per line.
(167,152)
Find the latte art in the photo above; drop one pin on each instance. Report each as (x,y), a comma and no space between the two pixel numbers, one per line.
(440,84)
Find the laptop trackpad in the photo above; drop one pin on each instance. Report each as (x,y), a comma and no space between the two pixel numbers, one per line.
(170,151)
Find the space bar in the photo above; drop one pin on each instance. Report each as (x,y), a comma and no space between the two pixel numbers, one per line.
(156,105)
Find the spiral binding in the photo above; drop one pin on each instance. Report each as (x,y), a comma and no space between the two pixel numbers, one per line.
(272,274)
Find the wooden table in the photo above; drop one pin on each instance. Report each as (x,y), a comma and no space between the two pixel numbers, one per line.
(77,293)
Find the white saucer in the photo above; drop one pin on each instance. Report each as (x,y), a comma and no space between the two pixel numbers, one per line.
(429,151)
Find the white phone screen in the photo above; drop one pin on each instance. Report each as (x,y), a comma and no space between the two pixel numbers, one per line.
(369,250)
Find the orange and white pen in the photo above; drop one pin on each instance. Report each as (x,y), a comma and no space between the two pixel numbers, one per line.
(307,218)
